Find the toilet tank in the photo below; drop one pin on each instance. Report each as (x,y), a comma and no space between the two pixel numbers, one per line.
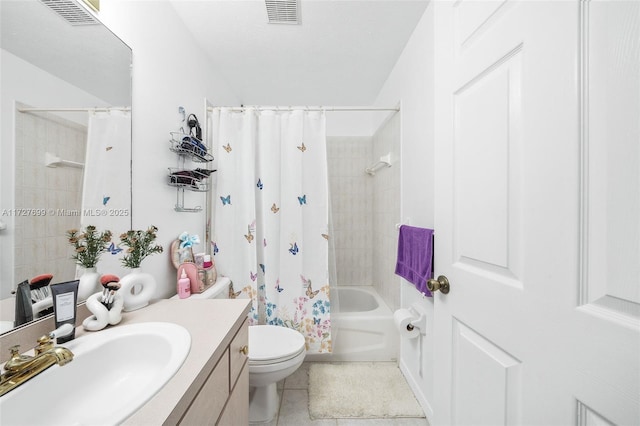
(220,290)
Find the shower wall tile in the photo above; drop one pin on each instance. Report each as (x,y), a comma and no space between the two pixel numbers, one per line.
(365,209)
(386,212)
(41,187)
(351,201)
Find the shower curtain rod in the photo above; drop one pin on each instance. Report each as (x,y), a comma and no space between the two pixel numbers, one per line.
(306,108)
(89,109)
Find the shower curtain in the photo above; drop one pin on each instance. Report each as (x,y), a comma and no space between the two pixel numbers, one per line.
(106,188)
(271,210)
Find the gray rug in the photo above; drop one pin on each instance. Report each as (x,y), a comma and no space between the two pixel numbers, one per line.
(360,390)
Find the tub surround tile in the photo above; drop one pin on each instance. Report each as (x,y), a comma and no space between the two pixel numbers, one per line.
(365,209)
(351,201)
(386,213)
(39,187)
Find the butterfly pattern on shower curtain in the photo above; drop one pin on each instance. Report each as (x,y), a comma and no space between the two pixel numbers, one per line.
(271,216)
(107,156)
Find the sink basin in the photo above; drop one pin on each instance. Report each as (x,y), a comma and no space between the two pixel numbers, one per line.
(113,373)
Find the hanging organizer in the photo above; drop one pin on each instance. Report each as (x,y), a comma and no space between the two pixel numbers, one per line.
(195,179)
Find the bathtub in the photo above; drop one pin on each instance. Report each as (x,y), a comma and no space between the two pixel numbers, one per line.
(362,329)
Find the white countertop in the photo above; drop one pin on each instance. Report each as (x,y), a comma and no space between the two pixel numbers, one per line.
(212,324)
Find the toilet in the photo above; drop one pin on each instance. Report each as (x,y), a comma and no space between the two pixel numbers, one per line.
(274,354)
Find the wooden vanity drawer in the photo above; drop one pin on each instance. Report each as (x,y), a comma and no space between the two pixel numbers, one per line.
(238,353)
(208,404)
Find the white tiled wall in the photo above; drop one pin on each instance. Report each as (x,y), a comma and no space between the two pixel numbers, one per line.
(47,190)
(350,190)
(366,209)
(386,212)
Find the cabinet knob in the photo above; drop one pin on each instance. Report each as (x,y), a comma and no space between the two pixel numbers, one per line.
(244,350)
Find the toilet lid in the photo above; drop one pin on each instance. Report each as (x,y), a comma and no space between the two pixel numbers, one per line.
(270,342)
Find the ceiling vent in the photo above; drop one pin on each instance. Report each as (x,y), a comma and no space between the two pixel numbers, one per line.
(71,11)
(283,11)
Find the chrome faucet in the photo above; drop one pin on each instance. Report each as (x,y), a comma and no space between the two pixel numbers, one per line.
(21,368)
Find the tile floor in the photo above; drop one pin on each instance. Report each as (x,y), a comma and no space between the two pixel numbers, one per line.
(294,407)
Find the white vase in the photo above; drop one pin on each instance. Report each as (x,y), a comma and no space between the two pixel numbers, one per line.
(89,283)
(137,289)
(101,315)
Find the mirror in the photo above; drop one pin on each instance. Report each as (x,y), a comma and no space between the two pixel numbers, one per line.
(64,81)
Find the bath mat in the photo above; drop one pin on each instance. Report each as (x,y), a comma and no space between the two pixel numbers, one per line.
(360,390)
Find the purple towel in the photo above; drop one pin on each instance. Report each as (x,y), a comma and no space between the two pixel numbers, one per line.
(415,253)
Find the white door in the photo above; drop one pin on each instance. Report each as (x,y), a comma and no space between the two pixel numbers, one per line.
(537,212)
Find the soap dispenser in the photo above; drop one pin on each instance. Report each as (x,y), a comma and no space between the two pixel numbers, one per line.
(184,286)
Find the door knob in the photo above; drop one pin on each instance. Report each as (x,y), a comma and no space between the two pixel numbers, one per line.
(442,284)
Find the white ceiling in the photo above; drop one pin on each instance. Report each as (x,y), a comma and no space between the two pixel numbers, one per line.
(89,57)
(340,54)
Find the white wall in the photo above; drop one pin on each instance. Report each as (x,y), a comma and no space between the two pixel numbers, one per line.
(168,72)
(358,123)
(411,83)
(349,123)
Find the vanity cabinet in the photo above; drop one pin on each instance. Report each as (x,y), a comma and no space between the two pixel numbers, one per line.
(237,410)
(224,397)
(211,386)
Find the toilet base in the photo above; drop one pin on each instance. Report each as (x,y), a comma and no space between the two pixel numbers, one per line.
(263,403)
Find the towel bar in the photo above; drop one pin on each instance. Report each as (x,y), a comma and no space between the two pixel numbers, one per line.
(385,161)
(52,160)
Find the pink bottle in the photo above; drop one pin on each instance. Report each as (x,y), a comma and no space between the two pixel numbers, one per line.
(184,286)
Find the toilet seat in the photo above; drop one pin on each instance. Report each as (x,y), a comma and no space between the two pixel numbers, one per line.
(270,344)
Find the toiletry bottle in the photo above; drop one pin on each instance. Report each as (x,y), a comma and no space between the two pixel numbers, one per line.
(184,286)
(65,300)
(207,261)
(199,258)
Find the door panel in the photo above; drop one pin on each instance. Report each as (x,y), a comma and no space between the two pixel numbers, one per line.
(487,381)
(472,17)
(537,149)
(608,306)
(611,153)
(487,171)
(588,417)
